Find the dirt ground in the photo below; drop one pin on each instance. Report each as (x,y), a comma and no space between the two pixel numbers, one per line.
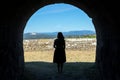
(71,71)
(80,65)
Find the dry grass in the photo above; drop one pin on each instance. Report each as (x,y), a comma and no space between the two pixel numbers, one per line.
(79,66)
(71,56)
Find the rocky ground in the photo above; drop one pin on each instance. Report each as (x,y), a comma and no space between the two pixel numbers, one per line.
(72,44)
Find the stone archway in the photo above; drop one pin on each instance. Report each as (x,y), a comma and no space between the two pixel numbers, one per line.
(16,13)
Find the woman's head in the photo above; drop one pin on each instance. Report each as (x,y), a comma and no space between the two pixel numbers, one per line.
(60,35)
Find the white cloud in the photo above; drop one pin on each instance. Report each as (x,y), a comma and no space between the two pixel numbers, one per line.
(56,8)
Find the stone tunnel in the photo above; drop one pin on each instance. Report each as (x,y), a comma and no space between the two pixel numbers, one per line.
(15,14)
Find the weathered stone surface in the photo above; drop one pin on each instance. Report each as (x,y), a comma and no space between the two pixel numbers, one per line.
(106,19)
(82,44)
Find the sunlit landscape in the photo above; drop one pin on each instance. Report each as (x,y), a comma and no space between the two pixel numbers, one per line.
(80,55)
(77,50)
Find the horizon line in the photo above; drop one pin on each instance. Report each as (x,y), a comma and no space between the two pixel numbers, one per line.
(59,31)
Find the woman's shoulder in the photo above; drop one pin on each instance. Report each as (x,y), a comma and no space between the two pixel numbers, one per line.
(55,40)
(59,40)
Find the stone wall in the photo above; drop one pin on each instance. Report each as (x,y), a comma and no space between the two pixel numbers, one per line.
(71,44)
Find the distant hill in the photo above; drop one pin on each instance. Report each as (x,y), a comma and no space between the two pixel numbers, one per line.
(34,35)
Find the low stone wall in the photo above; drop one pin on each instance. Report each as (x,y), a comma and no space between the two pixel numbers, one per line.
(71,44)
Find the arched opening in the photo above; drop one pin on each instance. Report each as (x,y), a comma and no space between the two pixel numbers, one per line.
(74,42)
(16,13)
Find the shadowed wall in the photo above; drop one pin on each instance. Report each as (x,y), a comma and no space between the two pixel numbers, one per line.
(15,14)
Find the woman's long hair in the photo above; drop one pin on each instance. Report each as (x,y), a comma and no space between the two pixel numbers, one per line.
(60,35)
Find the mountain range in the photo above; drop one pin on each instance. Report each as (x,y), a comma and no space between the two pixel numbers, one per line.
(36,35)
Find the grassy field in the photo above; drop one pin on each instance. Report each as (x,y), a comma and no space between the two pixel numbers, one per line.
(80,65)
(71,56)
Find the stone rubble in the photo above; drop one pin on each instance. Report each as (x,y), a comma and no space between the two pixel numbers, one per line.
(71,44)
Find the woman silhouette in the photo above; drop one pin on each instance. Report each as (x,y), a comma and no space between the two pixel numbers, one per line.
(59,53)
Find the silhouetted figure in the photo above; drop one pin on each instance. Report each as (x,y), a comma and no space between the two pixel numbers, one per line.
(59,53)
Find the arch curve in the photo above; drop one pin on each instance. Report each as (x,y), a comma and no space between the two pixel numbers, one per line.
(37,6)
(15,14)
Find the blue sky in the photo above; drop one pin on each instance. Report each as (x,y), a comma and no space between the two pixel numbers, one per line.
(59,17)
